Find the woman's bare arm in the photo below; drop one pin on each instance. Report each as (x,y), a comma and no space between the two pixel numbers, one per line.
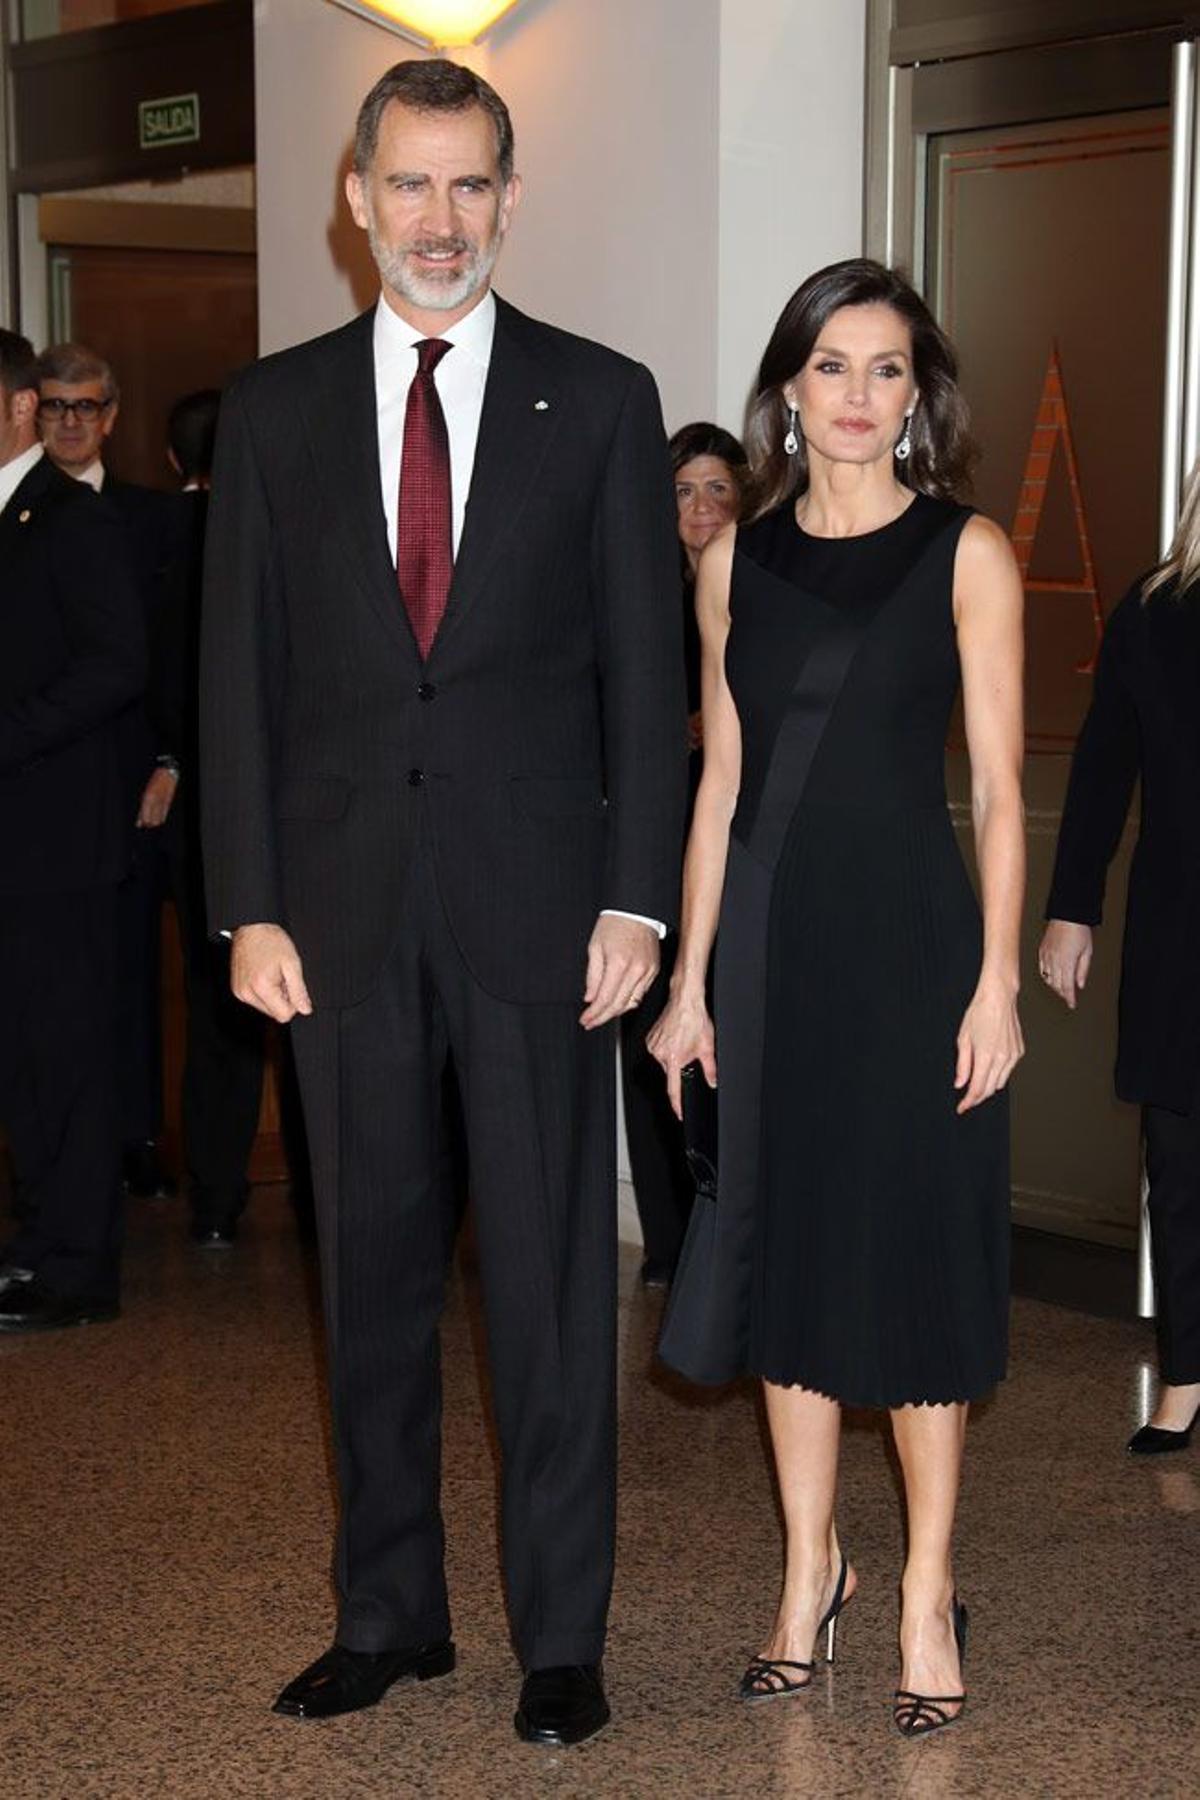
(988,609)
(684,1032)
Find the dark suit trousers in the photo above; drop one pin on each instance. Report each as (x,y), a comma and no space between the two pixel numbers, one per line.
(1173,1168)
(139,1014)
(58,1085)
(223,1065)
(537,1096)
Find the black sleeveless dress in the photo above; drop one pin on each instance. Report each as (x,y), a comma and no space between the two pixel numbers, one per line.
(858,1245)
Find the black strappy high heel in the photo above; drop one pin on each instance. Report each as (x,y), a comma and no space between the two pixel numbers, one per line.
(765,1679)
(916,1715)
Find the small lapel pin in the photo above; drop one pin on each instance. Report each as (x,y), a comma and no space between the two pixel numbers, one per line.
(23,518)
(541,406)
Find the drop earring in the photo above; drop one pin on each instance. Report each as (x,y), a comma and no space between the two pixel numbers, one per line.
(791,442)
(903,449)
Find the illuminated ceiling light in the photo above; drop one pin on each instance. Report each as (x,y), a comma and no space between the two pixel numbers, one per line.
(434,24)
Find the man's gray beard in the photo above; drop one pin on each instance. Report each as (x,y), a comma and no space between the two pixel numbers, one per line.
(428,293)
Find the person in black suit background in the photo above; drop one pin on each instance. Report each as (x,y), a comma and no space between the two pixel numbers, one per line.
(223,1062)
(72,656)
(79,407)
(1144,723)
(443,729)
(710,470)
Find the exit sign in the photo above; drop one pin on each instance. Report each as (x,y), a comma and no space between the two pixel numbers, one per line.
(174,120)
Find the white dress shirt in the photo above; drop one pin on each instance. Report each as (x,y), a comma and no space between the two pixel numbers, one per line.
(13,473)
(460,378)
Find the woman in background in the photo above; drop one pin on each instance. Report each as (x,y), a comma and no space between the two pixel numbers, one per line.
(709,466)
(1144,722)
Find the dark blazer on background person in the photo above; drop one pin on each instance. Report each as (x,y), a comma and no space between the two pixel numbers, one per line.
(551,794)
(72,658)
(224,1041)
(1144,721)
(146,520)
(173,685)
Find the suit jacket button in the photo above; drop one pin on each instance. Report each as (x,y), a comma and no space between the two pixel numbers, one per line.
(426,691)
(415,777)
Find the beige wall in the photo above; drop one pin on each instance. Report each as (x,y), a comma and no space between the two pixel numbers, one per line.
(792,84)
(686,163)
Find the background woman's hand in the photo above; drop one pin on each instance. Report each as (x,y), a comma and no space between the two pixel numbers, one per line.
(683,1034)
(990,1044)
(1065,958)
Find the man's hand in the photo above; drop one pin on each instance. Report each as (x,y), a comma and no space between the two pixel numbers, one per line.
(157,796)
(622,961)
(1065,959)
(265,972)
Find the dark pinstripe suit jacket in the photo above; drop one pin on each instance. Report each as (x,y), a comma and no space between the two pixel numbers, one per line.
(537,754)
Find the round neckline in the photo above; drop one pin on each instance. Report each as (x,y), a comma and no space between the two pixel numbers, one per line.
(854,537)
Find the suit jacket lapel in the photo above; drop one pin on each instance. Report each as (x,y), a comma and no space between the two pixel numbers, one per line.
(522,413)
(341,421)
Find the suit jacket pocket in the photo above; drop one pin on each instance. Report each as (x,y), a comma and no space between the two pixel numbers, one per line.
(313,797)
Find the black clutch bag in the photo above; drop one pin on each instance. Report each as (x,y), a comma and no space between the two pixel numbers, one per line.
(700,1130)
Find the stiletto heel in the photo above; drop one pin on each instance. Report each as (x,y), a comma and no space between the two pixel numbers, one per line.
(764,1678)
(916,1715)
(834,1613)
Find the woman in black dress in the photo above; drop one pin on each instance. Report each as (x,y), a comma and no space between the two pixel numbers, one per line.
(1144,722)
(709,466)
(857,1252)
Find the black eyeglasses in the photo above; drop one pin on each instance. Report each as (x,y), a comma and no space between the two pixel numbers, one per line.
(83,409)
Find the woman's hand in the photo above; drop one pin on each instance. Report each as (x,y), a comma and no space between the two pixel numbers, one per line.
(990,1044)
(683,1034)
(1065,958)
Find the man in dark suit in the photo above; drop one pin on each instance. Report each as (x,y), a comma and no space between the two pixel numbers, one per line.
(72,656)
(223,1061)
(78,410)
(443,790)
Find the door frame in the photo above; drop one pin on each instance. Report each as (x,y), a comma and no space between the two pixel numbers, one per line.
(999,69)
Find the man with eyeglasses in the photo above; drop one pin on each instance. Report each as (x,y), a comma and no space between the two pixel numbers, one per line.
(72,657)
(78,407)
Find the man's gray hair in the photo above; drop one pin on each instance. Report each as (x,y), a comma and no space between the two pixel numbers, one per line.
(436,85)
(70,363)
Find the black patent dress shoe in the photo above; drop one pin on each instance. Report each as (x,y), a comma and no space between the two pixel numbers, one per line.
(213,1234)
(656,1272)
(142,1173)
(32,1306)
(1155,1440)
(13,1275)
(562,1706)
(344,1681)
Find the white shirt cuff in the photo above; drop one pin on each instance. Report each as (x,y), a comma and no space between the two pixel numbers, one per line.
(614,912)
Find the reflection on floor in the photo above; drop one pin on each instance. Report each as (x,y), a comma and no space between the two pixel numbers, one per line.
(166,1527)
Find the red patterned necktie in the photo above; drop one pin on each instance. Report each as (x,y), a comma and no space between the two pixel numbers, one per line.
(424,540)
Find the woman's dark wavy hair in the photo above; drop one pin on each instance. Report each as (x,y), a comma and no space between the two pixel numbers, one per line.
(942,449)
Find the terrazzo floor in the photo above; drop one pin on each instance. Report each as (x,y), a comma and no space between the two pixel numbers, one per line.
(166,1513)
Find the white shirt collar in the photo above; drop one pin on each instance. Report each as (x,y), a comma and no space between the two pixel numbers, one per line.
(395,337)
(93,475)
(13,473)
